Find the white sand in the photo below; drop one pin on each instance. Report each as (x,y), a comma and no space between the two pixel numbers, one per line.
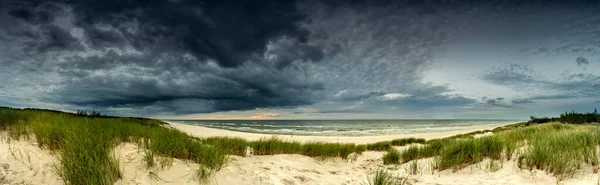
(134,170)
(23,162)
(200,131)
(297,169)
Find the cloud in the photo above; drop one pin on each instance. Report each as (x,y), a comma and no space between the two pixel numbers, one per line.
(497,102)
(265,116)
(392,96)
(582,61)
(512,75)
(183,57)
(522,101)
(230,32)
(543,87)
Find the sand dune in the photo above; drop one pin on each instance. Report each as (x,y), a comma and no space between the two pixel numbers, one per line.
(23,162)
(298,169)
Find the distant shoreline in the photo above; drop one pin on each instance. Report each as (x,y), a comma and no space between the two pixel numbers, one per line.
(358,128)
(201,131)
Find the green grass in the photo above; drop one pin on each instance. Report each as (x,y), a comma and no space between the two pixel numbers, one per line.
(231,145)
(413,168)
(380,146)
(562,153)
(383,177)
(386,145)
(406,141)
(560,149)
(84,144)
(274,146)
(391,157)
(459,153)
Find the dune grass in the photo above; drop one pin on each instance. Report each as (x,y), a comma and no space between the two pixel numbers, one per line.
(560,149)
(380,146)
(459,153)
(84,144)
(413,168)
(391,157)
(406,141)
(562,153)
(384,177)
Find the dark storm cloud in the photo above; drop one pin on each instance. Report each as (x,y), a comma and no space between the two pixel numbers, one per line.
(363,96)
(174,87)
(513,75)
(161,55)
(522,78)
(494,102)
(58,39)
(582,61)
(231,32)
(178,63)
(522,101)
(183,56)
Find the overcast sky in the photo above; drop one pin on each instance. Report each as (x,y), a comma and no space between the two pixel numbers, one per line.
(302,59)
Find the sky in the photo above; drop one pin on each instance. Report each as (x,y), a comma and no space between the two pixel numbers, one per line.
(411,59)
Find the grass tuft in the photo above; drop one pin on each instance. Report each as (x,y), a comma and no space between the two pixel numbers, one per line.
(406,141)
(380,146)
(391,157)
(383,177)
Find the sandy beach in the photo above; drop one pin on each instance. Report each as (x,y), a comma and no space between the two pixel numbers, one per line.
(200,131)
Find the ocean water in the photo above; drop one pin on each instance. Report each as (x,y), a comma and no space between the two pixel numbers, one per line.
(345,127)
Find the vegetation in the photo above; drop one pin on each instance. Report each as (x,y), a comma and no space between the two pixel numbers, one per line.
(391,157)
(406,141)
(380,146)
(84,142)
(413,168)
(91,114)
(383,177)
(558,148)
(570,118)
(562,152)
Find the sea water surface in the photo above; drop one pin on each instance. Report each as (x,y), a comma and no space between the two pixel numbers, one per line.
(345,127)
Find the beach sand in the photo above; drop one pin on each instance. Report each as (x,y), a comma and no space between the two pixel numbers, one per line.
(23,162)
(200,131)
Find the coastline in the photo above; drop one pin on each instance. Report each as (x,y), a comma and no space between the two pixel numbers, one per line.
(200,131)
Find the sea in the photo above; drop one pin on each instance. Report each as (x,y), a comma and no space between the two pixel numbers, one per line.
(346,127)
